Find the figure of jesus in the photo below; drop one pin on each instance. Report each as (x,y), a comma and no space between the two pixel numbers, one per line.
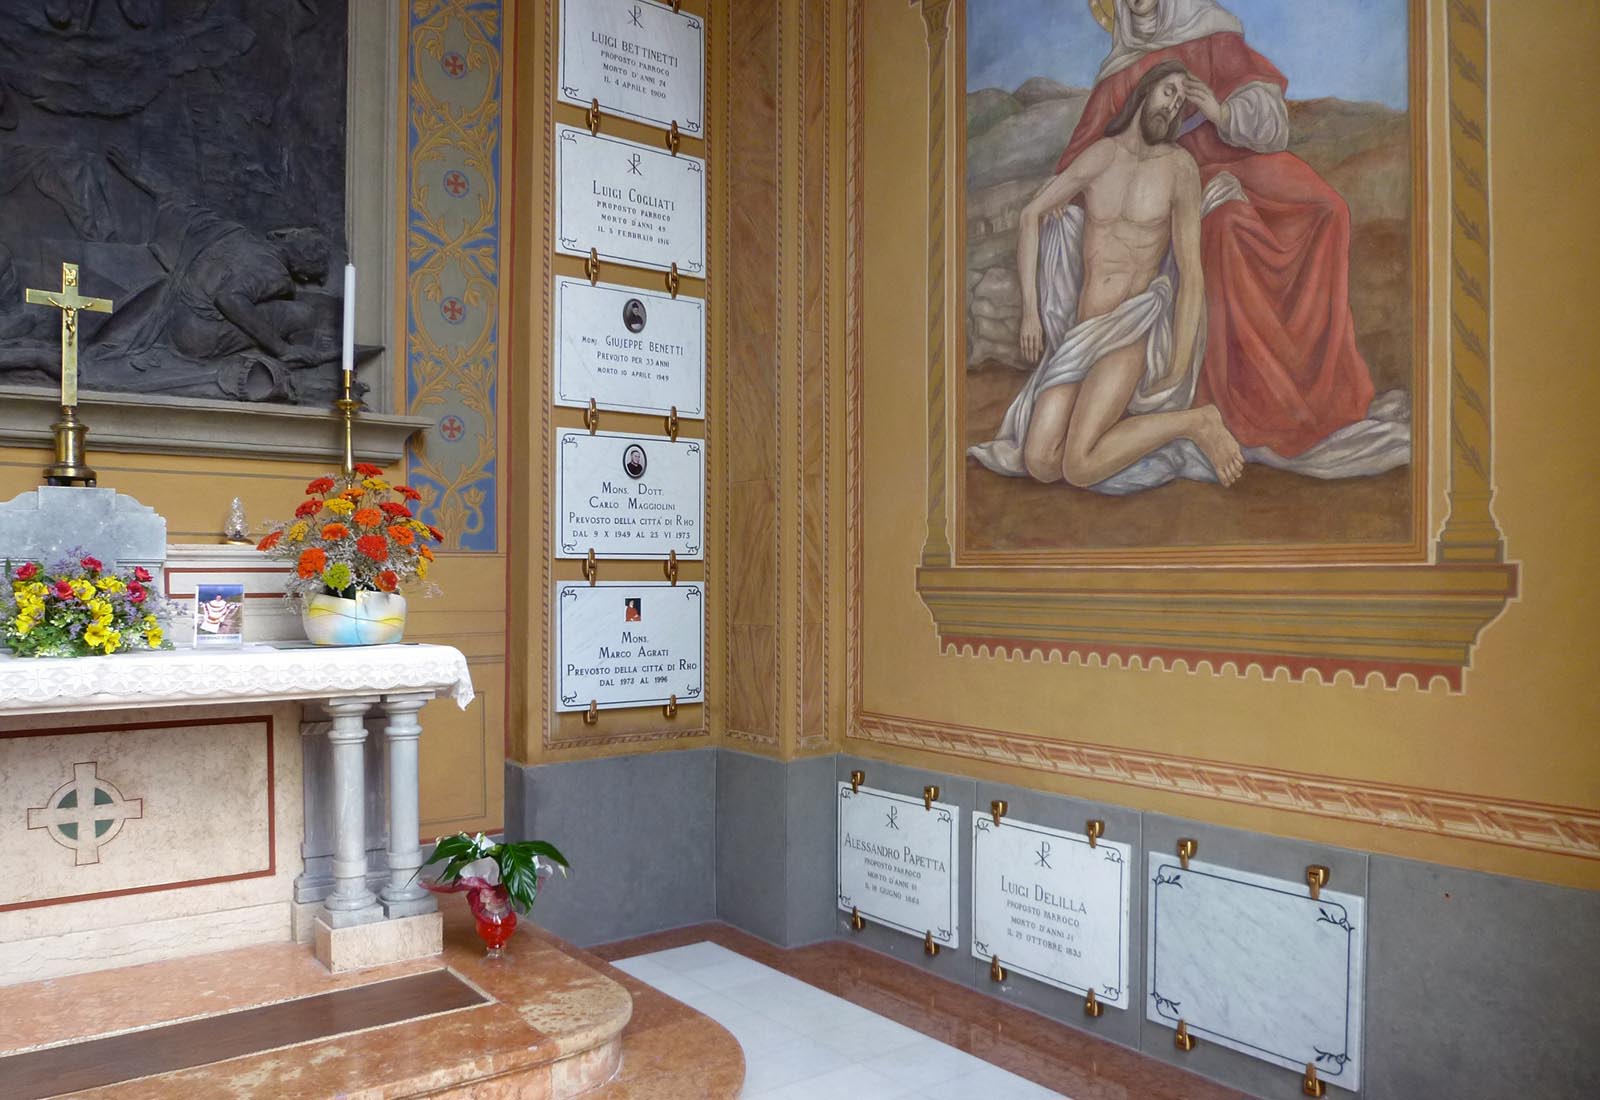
(1141,194)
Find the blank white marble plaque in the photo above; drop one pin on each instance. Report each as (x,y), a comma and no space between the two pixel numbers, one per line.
(628,349)
(628,496)
(605,655)
(1051,907)
(640,59)
(1254,964)
(632,203)
(898,862)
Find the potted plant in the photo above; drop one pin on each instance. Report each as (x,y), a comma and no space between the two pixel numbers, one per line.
(354,543)
(77,608)
(498,879)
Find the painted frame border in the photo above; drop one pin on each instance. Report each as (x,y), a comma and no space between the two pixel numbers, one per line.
(1471,580)
(1409,618)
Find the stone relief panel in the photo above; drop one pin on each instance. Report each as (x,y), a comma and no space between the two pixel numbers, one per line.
(190,157)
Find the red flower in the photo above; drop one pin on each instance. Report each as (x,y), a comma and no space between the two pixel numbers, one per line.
(63,590)
(29,571)
(408,492)
(395,511)
(402,535)
(270,541)
(388,580)
(91,564)
(136,592)
(375,547)
(312,562)
(434,533)
(367,469)
(335,531)
(308,509)
(142,575)
(321,485)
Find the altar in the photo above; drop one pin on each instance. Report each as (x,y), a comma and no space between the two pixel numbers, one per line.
(158,804)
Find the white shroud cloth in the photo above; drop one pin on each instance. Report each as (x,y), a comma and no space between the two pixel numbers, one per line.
(1371,446)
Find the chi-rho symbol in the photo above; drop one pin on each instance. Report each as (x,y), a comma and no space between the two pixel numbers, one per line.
(85,813)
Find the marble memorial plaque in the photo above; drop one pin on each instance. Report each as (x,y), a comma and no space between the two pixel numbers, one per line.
(898,862)
(632,203)
(628,644)
(1051,907)
(629,350)
(628,496)
(1254,964)
(640,59)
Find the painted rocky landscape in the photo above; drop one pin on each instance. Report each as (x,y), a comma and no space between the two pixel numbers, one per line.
(1013,142)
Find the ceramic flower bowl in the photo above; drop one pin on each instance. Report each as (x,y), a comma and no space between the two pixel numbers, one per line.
(372,618)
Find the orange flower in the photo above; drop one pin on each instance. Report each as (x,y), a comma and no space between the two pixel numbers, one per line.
(368,517)
(375,547)
(388,580)
(427,553)
(367,469)
(312,562)
(270,541)
(335,531)
(307,509)
(355,492)
(395,510)
(434,533)
(402,535)
(319,486)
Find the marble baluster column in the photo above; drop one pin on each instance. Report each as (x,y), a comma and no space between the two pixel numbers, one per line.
(351,902)
(404,896)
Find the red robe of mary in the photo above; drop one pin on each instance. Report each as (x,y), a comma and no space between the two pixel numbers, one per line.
(1281,363)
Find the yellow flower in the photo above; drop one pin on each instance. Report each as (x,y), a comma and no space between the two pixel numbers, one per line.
(297,532)
(24,624)
(418,526)
(422,569)
(111,584)
(376,484)
(101,610)
(94,635)
(148,622)
(113,640)
(83,590)
(153,637)
(340,507)
(37,590)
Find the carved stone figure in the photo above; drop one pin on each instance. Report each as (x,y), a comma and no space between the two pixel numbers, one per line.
(188,155)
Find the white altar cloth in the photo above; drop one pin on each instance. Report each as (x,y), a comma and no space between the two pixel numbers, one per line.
(253,673)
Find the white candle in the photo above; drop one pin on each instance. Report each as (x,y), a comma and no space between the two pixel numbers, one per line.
(349,318)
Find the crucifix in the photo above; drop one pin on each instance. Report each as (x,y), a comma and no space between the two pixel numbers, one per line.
(70,467)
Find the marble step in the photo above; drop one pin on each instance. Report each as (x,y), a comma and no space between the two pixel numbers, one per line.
(543,1023)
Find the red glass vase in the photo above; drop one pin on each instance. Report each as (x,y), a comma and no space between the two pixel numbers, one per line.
(496,920)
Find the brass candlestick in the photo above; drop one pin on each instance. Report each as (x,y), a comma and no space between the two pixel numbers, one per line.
(347,407)
(71,466)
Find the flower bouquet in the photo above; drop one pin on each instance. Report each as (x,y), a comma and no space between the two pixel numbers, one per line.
(78,609)
(498,879)
(354,542)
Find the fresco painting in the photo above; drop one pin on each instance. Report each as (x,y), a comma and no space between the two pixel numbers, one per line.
(1191,290)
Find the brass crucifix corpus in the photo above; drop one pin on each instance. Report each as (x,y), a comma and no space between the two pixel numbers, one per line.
(69,302)
(71,466)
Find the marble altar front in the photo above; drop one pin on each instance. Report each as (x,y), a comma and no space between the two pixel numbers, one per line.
(155,803)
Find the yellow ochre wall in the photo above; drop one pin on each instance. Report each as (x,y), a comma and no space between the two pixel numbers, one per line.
(1525,730)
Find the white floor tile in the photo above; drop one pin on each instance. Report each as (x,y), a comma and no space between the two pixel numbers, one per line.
(798,1060)
(803,1043)
(852,1082)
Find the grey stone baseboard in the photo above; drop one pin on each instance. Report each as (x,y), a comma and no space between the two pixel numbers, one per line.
(1479,987)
